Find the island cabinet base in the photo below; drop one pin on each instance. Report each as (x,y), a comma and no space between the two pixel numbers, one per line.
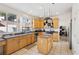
(56,37)
(44,45)
(16,43)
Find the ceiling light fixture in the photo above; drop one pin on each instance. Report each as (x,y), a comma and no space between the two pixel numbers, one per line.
(40,7)
(30,11)
(53,3)
(57,13)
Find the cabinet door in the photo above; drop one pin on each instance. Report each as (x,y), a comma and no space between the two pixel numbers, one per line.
(16,44)
(11,45)
(22,42)
(2,43)
(55,37)
(28,39)
(55,22)
(40,33)
(32,39)
(36,23)
(41,23)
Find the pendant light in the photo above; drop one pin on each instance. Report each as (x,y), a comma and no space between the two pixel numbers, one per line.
(44,11)
(49,9)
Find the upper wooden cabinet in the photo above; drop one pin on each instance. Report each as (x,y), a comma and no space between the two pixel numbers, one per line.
(41,23)
(38,23)
(55,22)
(35,23)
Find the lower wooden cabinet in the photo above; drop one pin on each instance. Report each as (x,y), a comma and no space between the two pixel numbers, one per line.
(11,46)
(2,43)
(29,39)
(16,43)
(44,44)
(32,38)
(55,37)
(22,42)
(40,34)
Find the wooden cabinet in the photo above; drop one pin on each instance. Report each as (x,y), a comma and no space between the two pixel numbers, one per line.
(2,43)
(40,34)
(22,42)
(41,24)
(35,22)
(44,44)
(11,45)
(55,37)
(32,38)
(29,39)
(26,40)
(16,43)
(38,23)
(55,22)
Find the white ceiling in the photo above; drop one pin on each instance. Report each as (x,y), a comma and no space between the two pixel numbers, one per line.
(42,9)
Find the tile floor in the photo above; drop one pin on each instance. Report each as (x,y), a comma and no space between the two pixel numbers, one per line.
(59,48)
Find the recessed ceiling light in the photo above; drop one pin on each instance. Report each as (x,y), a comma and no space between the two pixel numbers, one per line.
(40,16)
(40,7)
(30,11)
(53,3)
(57,13)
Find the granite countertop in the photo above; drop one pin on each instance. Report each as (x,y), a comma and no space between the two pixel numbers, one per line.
(13,35)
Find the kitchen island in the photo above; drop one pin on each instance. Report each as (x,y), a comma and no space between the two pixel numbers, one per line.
(44,43)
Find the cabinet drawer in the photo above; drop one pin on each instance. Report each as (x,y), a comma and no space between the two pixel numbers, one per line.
(2,43)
